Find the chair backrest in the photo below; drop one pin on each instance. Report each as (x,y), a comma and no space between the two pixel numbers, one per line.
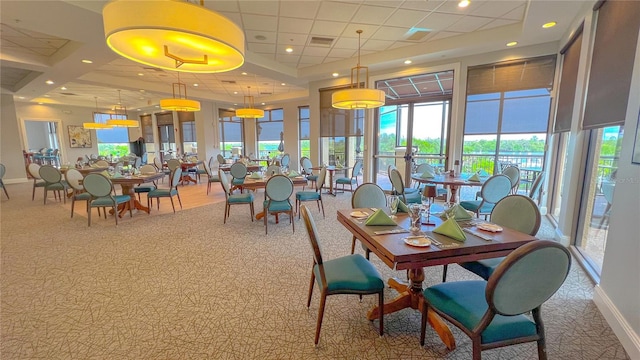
(425,167)
(211,162)
(279,188)
(306,165)
(224,181)
(238,170)
(157,163)
(389,168)
(34,170)
(3,170)
(357,167)
(221,159)
(102,163)
(176,176)
(207,167)
(284,161)
(396,181)
(173,164)
(368,195)
(495,188)
(527,277)
(97,185)
(513,173)
(73,178)
(148,168)
(321,179)
(517,212)
(50,174)
(273,170)
(536,185)
(312,231)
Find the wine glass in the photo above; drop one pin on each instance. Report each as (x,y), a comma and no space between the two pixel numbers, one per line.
(393,206)
(415,212)
(426,207)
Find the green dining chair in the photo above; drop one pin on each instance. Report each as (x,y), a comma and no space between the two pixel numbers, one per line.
(176,176)
(513,173)
(353,180)
(277,192)
(516,212)
(367,195)
(34,170)
(3,170)
(146,188)
(211,177)
(239,173)
(313,195)
(493,313)
(102,195)
(493,190)
(285,160)
(306,165)
(234,199)
(53,181)
(75,180)
(408,195)
(221,159)
(351,274)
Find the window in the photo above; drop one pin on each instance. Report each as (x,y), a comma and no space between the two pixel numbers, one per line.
(115,141)
(270,130)
(340,132)
(305,142)
(231,132)
(188,126)
(507,115)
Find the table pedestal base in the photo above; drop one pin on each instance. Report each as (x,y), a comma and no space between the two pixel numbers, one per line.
(411,297)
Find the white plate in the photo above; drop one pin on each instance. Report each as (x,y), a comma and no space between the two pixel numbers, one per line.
(489,227)
(419,241)
(359,214)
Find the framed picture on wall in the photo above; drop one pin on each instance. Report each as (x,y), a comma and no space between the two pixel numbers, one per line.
(79,137)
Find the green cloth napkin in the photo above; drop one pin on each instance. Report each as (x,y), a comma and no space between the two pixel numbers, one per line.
(450,228)
(428,175)
(116,175)
(255,175)
(474,177)
(402,207)
(293,173)
(457,212)
(105,173)
(379,218)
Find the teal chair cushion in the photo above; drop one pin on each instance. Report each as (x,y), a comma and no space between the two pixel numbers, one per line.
(465,301)
(106,201)
(162,192)
(237,181)
(144,189)
(245,198)
(312,177)
(483,268)
(352,272)
(410,190)
(307,195)
(473,206)
(277,205)
(55,186)
(40,183)
(345,181)
(82,196)
(413,198)
(214,178)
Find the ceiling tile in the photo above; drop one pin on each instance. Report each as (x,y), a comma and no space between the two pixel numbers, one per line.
(299,9)
(346,43)
(311,60)
(342,53)
(296,26)
(469,24)
(439,21)
(327,28)
(261,48)
(498,23)
(250,36)
(288,58)
(390,33)
(315,51)
(515,14)
(371,15)
(422,5)
(406,18)
(399,44)
(336,11)
(444,34)
(259,7)
(377,45)
(368,30)
(497,8)
(219,6)
(285,39)
(259,22)
(235,17)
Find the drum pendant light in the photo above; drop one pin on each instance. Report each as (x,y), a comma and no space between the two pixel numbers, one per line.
(249,112)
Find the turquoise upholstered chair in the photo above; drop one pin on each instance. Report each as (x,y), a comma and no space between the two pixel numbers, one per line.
(513,173)
(231,199)
(306,165)
(367,195)
(313,195)
(3,170)
(239,173)
(515,212)
(408,195)
(351,274)
(176,176)
(75,181)
(53,181)
(146,188)
(277,192)
(353,180)
(34,171)
(211,177)
(493,190)
(492,313)
(101,190)
(221,159)
(285,160)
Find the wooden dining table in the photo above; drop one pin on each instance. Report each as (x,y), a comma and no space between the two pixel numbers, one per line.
(332,169)
(453,182)
(254,184)
(396,254)
(128,183)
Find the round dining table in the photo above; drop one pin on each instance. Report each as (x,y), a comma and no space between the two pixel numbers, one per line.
(453,182)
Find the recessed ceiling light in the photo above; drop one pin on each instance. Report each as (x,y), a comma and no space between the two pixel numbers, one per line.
(142,90)
(196,85)
(137,109)
(283,84)
(335,74)
(49,82)
(464,3)
(157,106)
(260,37)
(289,49)
(140,98)
(513,43)
(39,103)
(87,61)
(63,88)
(21,97)
(235,93)
(244,73)
(140,74)
(235,104)
(408,62)
(550,24)
(263,103)
(47,96)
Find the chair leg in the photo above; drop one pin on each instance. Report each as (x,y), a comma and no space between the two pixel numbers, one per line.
(179,200)
(33,192)
(381,311)
(90,215)
(322,204)
(73,202)
(298,208)
(174,208)
(115,213)
(320,315)
(45,196)
(353,244)
(251,208)
(423,326)
(477,348)
(226,210)
(311,283)
(542,348)
(293,223)
(266,226)
(444,272)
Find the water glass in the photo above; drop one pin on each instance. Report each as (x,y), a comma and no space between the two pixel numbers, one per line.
(393,205)
(415,213)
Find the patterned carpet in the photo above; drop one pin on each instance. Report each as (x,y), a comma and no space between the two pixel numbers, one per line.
(185,286)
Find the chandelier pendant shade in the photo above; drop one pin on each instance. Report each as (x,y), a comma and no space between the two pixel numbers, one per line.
(173,35)
(249,111)
(179,101)
(121,110)
(94,125)
(358,96)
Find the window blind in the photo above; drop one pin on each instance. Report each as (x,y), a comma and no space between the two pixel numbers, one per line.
(568,82)
(612,63)
(533,73)
(338,122)
(164,118)
(186,116)
(147,128)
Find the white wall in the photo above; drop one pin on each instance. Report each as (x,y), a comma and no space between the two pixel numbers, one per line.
(37,134)
(11,141)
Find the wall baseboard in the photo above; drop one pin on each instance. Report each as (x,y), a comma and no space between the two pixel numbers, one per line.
(561,238)
(628,338)
(16,181)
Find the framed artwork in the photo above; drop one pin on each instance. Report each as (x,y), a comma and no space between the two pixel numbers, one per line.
(635,156)
(79,137)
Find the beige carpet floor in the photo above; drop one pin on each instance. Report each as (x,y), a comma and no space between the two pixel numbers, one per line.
(185,286)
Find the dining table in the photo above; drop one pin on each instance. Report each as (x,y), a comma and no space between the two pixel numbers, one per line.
(453,182)
(186,176)
(331,169)
(85,169)
(250,167)
(127,183)
(389,243)
(255,184)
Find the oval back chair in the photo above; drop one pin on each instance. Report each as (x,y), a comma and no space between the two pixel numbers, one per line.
(367,195)
(493,190)
(221,159)
(173,164)
(284,161)
(316,195)
(53,181)
(102,163)
(306,166)
(34,171)
(513,173)
(101,190)
(75,179)
(277,192)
